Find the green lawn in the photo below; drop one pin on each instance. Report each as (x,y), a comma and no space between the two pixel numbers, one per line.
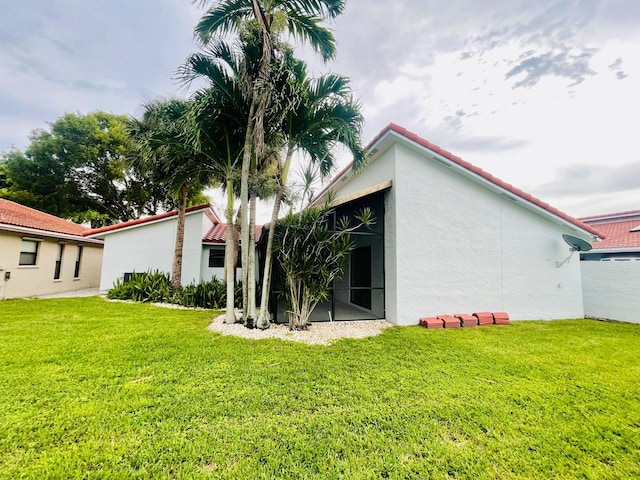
(94,389)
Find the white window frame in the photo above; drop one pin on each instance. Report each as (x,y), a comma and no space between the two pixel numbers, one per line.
(34,241)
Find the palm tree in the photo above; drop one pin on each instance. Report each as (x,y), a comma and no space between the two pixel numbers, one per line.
(261,22)
(219,117)
(323,115)
(300,18)
(159,137)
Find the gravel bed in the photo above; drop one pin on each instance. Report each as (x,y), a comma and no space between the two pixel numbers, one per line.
(319,333)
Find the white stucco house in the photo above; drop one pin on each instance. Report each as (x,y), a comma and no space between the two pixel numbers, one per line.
(148,244)
(41,254)
(450,238)
(611,270)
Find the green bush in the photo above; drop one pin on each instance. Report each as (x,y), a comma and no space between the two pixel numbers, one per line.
(156,287)
(204,294)
(143,287)
(120,290)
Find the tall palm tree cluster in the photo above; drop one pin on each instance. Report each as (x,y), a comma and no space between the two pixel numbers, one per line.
(258,108)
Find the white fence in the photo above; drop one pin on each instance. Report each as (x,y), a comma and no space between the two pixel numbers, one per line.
(611,289)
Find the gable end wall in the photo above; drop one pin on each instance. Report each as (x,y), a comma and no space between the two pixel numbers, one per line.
(462,248)
(151,247)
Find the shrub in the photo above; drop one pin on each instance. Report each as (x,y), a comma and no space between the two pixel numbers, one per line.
(312,255)
(143,287)
(204,294)
(156,287)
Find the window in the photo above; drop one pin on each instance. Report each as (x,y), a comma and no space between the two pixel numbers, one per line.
(76,271)
(28,252)
(56,273)
(216,258)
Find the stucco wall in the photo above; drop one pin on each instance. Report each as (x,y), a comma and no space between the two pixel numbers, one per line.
(611,289)
(452,245)
(27,281)
(151,247)
(463,248)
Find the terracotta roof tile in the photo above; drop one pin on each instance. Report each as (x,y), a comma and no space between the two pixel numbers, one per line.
(629,215)
(218,233)
(12,213)
(620,230)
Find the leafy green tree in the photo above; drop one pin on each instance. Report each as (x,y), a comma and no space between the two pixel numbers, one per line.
(41,179)
(4,183)
(77,169)
(259,24)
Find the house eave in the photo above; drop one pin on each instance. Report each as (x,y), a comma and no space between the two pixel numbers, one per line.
(101,235)
(48,234)
(613,250)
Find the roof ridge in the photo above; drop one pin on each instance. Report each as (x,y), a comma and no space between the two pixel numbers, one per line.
(617,216)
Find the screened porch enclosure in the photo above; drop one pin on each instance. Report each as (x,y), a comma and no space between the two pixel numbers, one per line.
(359,293)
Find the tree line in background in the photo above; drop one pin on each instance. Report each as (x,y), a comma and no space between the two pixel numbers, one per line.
(240,131)
(78,169)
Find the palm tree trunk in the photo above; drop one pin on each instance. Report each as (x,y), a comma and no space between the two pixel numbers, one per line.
(251,277)
(244,207)
(176,275)
(263,318)
(229,257)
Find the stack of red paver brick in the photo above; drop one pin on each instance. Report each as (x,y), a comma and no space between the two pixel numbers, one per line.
(463,320)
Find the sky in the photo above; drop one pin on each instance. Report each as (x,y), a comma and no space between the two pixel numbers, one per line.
(543,94)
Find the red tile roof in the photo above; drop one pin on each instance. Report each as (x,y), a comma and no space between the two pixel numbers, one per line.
(392,127)
(12,213)
(140,221)
(622,230)
(218,233)
(629,214)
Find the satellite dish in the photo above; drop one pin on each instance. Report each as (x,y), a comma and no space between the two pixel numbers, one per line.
(577,244)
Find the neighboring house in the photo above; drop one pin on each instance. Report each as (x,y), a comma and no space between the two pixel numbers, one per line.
(42,254)
(450,238)
(611,271)
(148,244)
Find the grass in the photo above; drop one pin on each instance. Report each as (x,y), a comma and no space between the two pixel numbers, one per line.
(93,389)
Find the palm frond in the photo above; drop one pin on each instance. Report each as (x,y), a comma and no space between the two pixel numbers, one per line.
(225,17)
(322,8)
(309,29)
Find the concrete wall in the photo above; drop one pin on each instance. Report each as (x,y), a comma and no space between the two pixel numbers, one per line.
(463,248)
(611,289)
(27,281)
(151,247)
(453,245)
